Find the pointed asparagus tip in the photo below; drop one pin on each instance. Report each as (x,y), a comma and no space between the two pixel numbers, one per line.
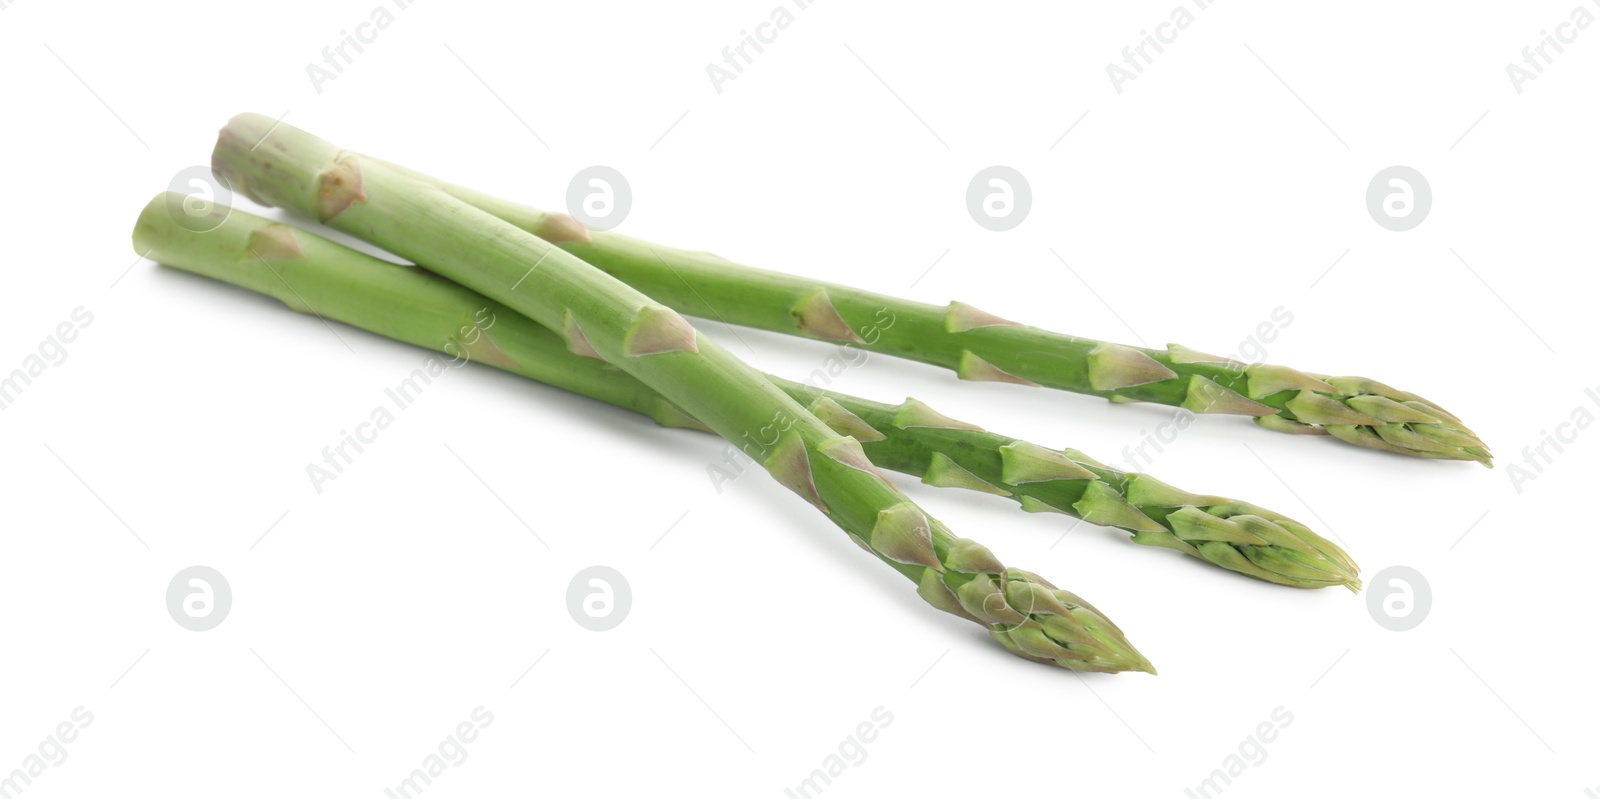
(1120,654)
(1037,621)
(1367,413)
(1255,542)
(1107,648)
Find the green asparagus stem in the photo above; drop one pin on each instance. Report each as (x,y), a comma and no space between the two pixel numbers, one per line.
(278,165)
(981,346)
(423,309)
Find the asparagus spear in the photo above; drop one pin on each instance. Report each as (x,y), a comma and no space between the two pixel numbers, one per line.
(278,165)
(981,346)
(420,308)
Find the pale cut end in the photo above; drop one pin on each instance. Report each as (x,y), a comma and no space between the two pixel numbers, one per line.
(235,144)
(1113,366)
(843,422)
(913,413)
(815,316)
(561,229)
(1266,379)
(577,342)
(339,187)
(971,367)
(946,473)
(1181,354)
(902,535)
(659,329)
(960,317)
(1207,396)
(1022,462)
(790,464)
(274,242)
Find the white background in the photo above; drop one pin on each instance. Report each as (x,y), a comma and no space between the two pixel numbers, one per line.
(375,617)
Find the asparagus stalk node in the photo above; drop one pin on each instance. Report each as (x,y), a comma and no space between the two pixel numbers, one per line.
(978,345)
(418,307)
(279,165)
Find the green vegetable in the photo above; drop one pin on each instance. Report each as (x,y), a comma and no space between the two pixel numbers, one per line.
(278,165)
(424,309)
(980,346)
